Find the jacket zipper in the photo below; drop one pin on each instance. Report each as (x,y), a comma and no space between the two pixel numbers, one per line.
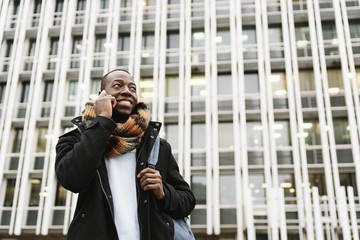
(138,195)
(107,199)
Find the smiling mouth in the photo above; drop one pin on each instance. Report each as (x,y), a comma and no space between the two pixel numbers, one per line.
(125,102)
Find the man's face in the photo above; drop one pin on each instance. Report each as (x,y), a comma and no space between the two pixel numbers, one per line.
(122,87)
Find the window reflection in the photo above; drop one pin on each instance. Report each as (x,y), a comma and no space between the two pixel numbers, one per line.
(198,85)
(257,186)
(172,86)
(171,135)
(226,135)
(254,134)
(287,182)
(60,197)
(251,83)
(282,133)
(312,132)
(9,193)
(224,84)
(95,86)
(227,189)
(17,140)
(41,142)
(341,131)
(198,135)
(146,88)
(198,186)
(198,38)
(318,180)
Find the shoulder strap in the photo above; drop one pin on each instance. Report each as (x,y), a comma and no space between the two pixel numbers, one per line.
(153,158)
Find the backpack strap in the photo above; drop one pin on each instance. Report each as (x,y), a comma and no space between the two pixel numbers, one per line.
(154,155)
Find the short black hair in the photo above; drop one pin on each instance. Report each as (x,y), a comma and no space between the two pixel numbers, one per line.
(115,70)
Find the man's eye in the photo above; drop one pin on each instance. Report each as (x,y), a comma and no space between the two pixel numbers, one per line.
(117,85)
(133,89)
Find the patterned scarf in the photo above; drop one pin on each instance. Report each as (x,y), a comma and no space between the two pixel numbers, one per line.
(126,136)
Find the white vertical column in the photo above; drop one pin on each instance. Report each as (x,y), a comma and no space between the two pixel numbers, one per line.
(138,40)
(354,137)
(64,53)
(321,114)
(114,35)
(319,232)
(15,64)
(269,99)
(303,158)
(214,115)
(329,119)
(354,225)
(348,94)
(263,108)
(4,13)
(133,35)
(282,213)
(235,102)
(154,110)
(210,201)
(292,113)
(352,74)
(184,49)
(108,43)
(343,214)
(162,61)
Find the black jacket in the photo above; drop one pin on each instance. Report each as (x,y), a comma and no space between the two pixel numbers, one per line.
(80,168)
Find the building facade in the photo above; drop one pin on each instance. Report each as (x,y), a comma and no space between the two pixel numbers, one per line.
(259,100)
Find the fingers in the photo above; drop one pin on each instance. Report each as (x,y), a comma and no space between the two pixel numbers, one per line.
(151,179)
(103,93)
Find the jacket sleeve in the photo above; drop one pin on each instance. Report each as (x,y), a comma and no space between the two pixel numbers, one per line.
(179,200)
(79,156)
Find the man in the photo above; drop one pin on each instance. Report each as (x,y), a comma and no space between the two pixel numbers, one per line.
(105,161)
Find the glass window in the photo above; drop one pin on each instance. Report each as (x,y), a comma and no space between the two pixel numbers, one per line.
(198,159)
(287,182)
(77,45)
(335,79)
(32,44)
(24,95)
(348,179)
(48,91)
(59,5)
(354,28)
(224,83)
(249,35)
(257,186)
(223,37)
(9,193)
(302,34)
(35,192)
(226,135)
(318,180)
(282,133)
(124,42)
(227,189)
(341,131)
(54,44)
(172,39)
(171,134)
(60,198)
(9,46)
(198,85)
(126,3)
(146,88)
(198,135)
(149,2)
(72,91)
(95,87)
(312,132)
(254,134)
(148,41)
(81,5)
(307,80)
(198,186)
(16,5)
(251,83)
(104,4)
(329,30)
(278,82)
(275,34)
(2,91)
(100,43)
(198,38)
(17,140)
(41,142)
(172,86)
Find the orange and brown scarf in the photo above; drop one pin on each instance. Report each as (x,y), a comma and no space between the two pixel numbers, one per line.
(126,136)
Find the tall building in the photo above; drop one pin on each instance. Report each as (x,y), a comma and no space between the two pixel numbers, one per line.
(259,100)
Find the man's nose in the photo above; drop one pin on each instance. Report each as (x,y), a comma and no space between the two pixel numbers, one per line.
(125,91)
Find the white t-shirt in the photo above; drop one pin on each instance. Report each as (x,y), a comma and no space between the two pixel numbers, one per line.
(121,172)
